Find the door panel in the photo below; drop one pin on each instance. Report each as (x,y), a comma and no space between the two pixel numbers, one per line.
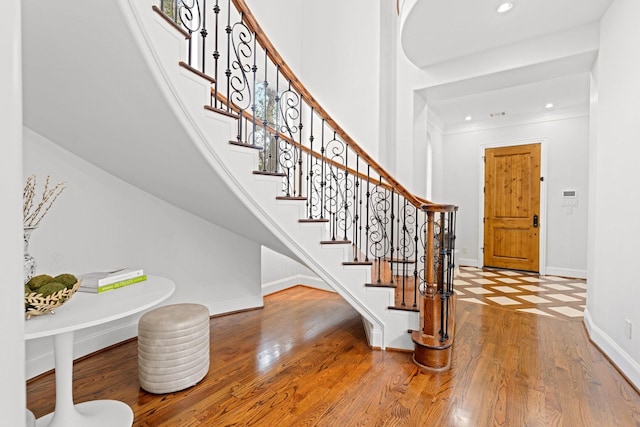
(511,200)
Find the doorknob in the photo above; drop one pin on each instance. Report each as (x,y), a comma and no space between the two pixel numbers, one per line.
(535,221)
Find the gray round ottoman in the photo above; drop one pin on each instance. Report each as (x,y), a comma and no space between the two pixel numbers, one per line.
(173,347)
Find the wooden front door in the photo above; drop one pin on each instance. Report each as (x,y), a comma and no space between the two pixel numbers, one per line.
(512,207)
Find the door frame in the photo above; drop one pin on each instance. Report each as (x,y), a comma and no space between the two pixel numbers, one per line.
(542,264)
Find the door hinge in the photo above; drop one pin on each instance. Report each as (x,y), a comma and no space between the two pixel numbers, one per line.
(541,178)
(484,159)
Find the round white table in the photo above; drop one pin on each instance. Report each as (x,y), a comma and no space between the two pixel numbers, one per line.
(83,311)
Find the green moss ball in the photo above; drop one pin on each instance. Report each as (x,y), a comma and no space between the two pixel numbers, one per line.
(66,279)
(51,288)
(37,281)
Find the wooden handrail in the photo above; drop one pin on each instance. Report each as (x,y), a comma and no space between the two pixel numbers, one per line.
(248,116)
(286,71)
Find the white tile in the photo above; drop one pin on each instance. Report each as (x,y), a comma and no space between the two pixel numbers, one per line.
(534,311)
(466,275)
(506,289)
(578,285)
(483,281)
(488,274)
(557,287)
(509,273)
(580,294)
(473,300)
(534,299)
(460,282)
(562,297)
(532,279)
(532,288)
(503,300)
(507,280)
(479,291)
(457,291)
(470,268)
(567,311)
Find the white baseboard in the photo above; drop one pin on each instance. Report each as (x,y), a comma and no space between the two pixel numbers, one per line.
(291,281)
(566,272)
(629,367)
(467,262)
(234,305)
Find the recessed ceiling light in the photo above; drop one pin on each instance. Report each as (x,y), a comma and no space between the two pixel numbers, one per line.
(468,118)
(505,7)
(549,105)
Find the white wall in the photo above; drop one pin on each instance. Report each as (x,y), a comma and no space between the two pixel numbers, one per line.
(100,222)
(566,147)
(280,272)
(334,48)
(281,21)
(12,372)
(435,163)
(613,294)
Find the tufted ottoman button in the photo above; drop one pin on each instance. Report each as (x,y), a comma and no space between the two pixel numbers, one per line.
(173,347)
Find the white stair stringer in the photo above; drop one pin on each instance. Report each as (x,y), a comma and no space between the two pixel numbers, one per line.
(162,48)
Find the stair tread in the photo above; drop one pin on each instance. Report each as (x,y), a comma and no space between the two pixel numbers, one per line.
(335,242)
(267,173)
(243,144)
(300,198)
(197,72)
(220,111)
(313,220)
(405,308)
(381,285)
(400,261)
(357,263)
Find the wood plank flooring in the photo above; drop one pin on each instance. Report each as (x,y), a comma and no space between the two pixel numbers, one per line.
(303,361)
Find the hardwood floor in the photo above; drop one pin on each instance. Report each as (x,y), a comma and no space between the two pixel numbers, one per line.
(303,360)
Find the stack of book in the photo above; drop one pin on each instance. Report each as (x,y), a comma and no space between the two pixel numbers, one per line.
(105,281)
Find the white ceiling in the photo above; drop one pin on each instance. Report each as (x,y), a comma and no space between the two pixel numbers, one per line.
(441,35)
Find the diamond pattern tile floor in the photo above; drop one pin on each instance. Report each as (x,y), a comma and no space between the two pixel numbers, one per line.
(522,291)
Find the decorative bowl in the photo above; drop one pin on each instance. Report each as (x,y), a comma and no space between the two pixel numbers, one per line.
(36,304)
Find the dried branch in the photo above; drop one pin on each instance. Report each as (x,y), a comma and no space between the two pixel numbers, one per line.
(31,216)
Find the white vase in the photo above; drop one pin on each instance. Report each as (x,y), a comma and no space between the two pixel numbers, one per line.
(29,261)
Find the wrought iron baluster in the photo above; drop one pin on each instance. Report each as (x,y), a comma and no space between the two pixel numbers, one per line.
(416,260)
(322,175)
(366,228)
(346,189)
(265,111)
(357,209)
(276,124)
(228,70)
(300,126)
(216,54)
(310,168)
(443,297)
(403,247)
(254,70)
(204,33)
(393,192)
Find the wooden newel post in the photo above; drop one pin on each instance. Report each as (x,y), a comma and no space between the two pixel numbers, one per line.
(437,300)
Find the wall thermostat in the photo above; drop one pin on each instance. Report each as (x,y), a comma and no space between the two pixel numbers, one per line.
(569,198)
